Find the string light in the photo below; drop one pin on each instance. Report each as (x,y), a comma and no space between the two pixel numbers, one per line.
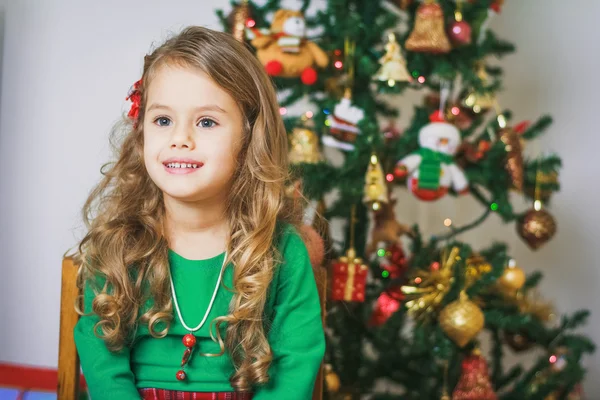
(552,359)
(447,222)
(282,110)
(494,206)
(327,122)
(385,274)
(309,114)
(537,205)
(418,280)
(435,266)
(338,64)
(455,110)
(421,79)
(415,74)
(391,83)
(381,252)
(250,23)
(501,121)
(389,177)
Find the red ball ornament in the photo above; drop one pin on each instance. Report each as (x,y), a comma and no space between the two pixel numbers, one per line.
(181,375)
(309,76)
(274,68)
(189,340)
(460,33)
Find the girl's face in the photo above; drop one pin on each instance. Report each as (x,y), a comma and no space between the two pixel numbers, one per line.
(192,134)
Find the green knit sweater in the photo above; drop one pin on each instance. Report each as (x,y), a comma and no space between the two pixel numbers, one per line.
(294,330)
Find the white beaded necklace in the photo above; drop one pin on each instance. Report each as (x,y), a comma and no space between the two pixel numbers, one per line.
(189,340)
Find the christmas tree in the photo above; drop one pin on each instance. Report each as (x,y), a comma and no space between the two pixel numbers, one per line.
(406,307)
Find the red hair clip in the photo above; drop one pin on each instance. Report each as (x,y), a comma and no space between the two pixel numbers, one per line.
(135,96)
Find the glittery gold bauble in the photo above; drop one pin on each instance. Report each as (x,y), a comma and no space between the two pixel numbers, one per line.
(461,320)
(237,20)
(514,156)
(512,279)
(518,341)
(428,34)
(304,147)
(536,228)
(332,380)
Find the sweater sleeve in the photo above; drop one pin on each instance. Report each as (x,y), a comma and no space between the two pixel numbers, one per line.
(108,374)
(296,336)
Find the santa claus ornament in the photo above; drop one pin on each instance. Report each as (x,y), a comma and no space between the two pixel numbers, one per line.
(431,170)
(343,124)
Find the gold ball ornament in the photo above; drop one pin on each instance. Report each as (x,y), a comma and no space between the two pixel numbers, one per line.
(461,320)
(512,279)
(536,227)
(304,146)
(332,380)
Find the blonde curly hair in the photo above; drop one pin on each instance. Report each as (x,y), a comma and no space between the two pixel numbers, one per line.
(124,214)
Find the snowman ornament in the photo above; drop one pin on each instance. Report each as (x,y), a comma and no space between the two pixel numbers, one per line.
(431,170)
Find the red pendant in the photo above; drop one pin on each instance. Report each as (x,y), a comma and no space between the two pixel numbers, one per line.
(181,375)
(186,356)
(189,340)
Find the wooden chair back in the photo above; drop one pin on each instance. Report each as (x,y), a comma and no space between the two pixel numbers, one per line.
(68,360)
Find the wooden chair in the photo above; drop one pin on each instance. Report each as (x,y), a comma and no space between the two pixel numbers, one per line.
(68,361)
(321,278)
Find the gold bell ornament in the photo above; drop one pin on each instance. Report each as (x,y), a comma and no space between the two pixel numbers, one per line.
(428,34)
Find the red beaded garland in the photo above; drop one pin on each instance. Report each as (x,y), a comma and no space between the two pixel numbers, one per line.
(189,340)
(181,375)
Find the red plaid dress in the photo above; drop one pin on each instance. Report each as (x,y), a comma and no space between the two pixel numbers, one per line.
(162,394)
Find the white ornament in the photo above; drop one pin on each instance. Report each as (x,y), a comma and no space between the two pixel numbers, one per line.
(431,169)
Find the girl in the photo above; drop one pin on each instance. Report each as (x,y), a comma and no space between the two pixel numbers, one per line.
(196,282)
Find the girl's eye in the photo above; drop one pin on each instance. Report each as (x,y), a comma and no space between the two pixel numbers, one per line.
(162,121)
(207,123)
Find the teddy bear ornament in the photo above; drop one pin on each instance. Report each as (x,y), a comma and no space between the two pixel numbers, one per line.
(284,50)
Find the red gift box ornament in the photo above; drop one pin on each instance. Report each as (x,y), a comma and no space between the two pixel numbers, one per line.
(349,278)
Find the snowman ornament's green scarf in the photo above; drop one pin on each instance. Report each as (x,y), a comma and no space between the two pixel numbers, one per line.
(432,169)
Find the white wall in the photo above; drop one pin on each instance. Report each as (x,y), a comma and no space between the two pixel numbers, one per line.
(66,68)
